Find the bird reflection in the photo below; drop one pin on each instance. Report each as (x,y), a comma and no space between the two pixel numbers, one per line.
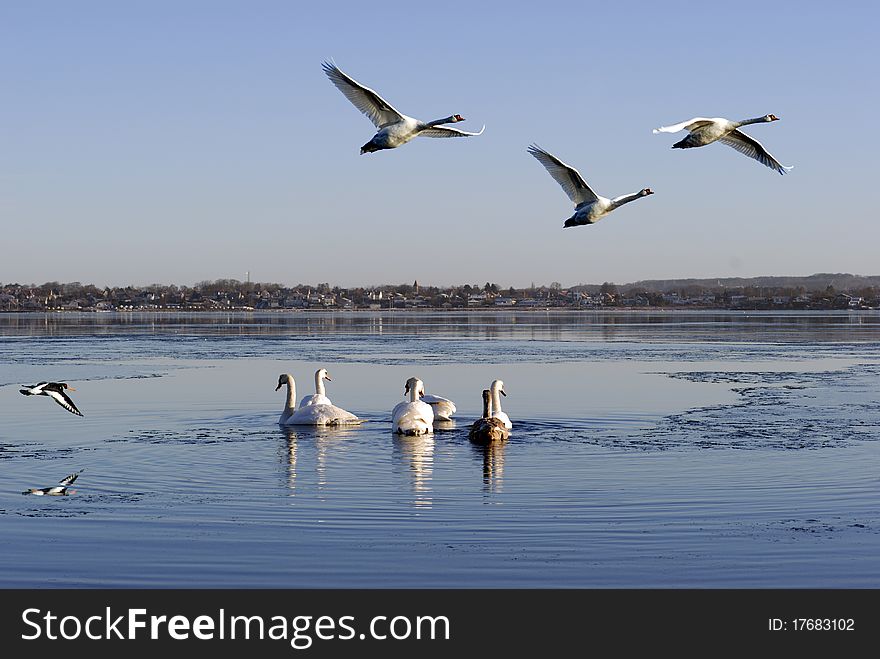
(443,424)
(326,443)
(493,464)
(290,434)
(418,452)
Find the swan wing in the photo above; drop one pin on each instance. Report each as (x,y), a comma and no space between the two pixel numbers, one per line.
(443,407)
(63,400)
(322,415)
(377,109)
(752,148)
(315,399)
(690,124)
(443,131)
(566,176)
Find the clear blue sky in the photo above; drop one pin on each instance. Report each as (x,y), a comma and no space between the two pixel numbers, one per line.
(173,142)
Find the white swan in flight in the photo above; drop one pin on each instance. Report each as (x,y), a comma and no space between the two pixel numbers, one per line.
(496,388)
(395,128)
(703,131)
(320,395)
(413,417)
(589,207)
(488,429)
(310,415)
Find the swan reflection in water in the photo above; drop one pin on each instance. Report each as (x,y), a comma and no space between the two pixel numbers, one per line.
(418,454)
(327,440)
(492,455)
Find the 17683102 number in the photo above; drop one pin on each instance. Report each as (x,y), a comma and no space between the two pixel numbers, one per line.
(812,624)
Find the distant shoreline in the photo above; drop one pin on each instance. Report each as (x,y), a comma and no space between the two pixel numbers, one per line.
(430,310)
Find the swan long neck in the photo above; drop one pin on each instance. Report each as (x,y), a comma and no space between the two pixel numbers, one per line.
(496,401)
(290,406)
(414,391)
(486,404)
(624,199)
(746,122)
(437,122)
(319,384)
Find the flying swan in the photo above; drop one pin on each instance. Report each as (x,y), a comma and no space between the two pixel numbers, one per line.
(589,207)
(394,127)
(703,131)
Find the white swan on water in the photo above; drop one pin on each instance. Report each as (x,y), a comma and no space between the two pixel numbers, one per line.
(395,128)
(320,395)
(703,131)
(311,415)
(413,417)
(496,388)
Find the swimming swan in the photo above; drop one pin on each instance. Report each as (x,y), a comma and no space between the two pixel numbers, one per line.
(319,397)
(488,429)
(310,415)
(413,417)
(443,408)
(703,131)
(395,128)
(497,387)
(589,207)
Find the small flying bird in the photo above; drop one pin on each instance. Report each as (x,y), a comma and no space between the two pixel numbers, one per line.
(589,207)
(55,390)
(395,128)
(703,131)
(59,490)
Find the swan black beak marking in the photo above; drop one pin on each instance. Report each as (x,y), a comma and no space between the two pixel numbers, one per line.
(278,387)
(502,392)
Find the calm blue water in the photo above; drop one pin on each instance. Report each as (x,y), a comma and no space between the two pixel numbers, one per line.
(667,449)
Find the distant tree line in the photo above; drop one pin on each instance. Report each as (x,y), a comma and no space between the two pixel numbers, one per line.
(755,293)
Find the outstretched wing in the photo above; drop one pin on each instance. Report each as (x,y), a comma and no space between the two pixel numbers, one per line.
(377,109)
(565,175)
(443,131)
(690,124)
(64,401)
(752,148)
(67,480)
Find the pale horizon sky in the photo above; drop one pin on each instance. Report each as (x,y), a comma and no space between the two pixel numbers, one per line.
(175,142)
